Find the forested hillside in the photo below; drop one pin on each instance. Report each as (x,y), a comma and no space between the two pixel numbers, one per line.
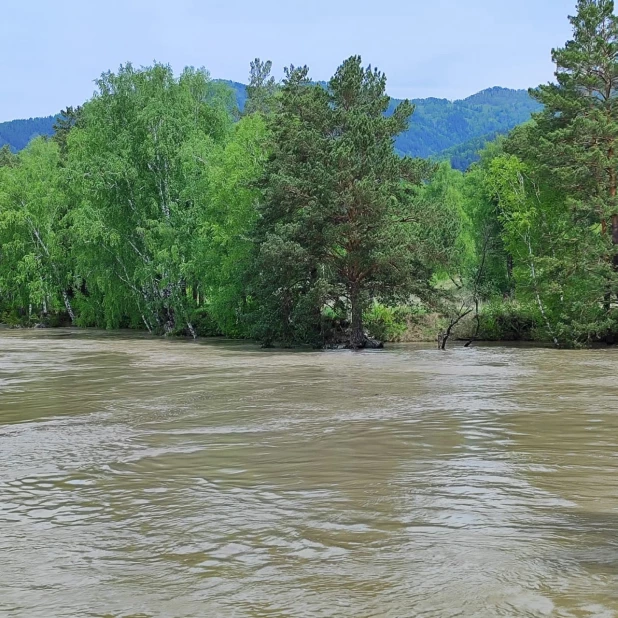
(439,125)
(456,130)
(462,156)
(17,133)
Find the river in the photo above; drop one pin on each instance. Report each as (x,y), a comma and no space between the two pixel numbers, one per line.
(142,477)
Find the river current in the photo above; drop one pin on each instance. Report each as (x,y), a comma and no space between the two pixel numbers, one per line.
(142,477)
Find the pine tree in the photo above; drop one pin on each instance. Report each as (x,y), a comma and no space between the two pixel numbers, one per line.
(261,89)
(365,219)
(7,158)
(577,131)
(338,221)
(286,281)
(65,121)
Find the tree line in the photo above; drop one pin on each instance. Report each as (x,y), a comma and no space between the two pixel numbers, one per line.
(158,205)
(442,129)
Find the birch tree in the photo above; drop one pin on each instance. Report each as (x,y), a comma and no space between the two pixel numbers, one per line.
(36,275)
(135,220)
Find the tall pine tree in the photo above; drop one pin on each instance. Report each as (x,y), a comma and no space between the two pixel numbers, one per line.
(577,131)
(338,222)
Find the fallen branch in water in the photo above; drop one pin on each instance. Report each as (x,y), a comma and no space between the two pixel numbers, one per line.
(444,336)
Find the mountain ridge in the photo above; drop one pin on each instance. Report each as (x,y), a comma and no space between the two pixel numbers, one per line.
(439,128)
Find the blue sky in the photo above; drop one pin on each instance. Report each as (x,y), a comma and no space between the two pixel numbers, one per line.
(50,52)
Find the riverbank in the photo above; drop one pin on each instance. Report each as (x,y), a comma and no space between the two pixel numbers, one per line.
(497,322)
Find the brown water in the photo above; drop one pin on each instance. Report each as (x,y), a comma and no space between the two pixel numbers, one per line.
(143,477)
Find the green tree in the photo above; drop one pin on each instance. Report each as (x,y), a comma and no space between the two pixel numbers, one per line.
(554,268)
(576,137)
(222,185)
(369,219)
(66,120)
(134,223)
(35,264)
(557,195)
(262,88)
(339,219)
(7,157)
(492,265)
(285,283)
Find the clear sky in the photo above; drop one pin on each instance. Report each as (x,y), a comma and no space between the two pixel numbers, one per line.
(51,51)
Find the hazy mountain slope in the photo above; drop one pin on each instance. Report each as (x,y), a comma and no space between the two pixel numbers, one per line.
(438,124)
(17,133)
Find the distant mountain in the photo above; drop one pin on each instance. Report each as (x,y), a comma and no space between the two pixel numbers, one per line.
(17,133)
(439,129)
(439,125)
(240,90)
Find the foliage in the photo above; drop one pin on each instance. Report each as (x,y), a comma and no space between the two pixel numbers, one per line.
(225,196)
(339,220)
(386,323)
(508,321)
(287,212)
(262,88)
(133,160)
(463,156)
(442,129)
(557,185)
(35,265)
(67,120)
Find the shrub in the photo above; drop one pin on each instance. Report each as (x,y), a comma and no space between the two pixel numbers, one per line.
(204,324)
(507,320)
(386,323)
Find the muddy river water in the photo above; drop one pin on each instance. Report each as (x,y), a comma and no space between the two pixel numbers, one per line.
(142,477)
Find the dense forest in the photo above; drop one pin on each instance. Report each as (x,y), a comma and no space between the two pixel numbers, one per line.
(443,130)
(161,205)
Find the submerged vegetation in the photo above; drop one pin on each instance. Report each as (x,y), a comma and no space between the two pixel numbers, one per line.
(159,205)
